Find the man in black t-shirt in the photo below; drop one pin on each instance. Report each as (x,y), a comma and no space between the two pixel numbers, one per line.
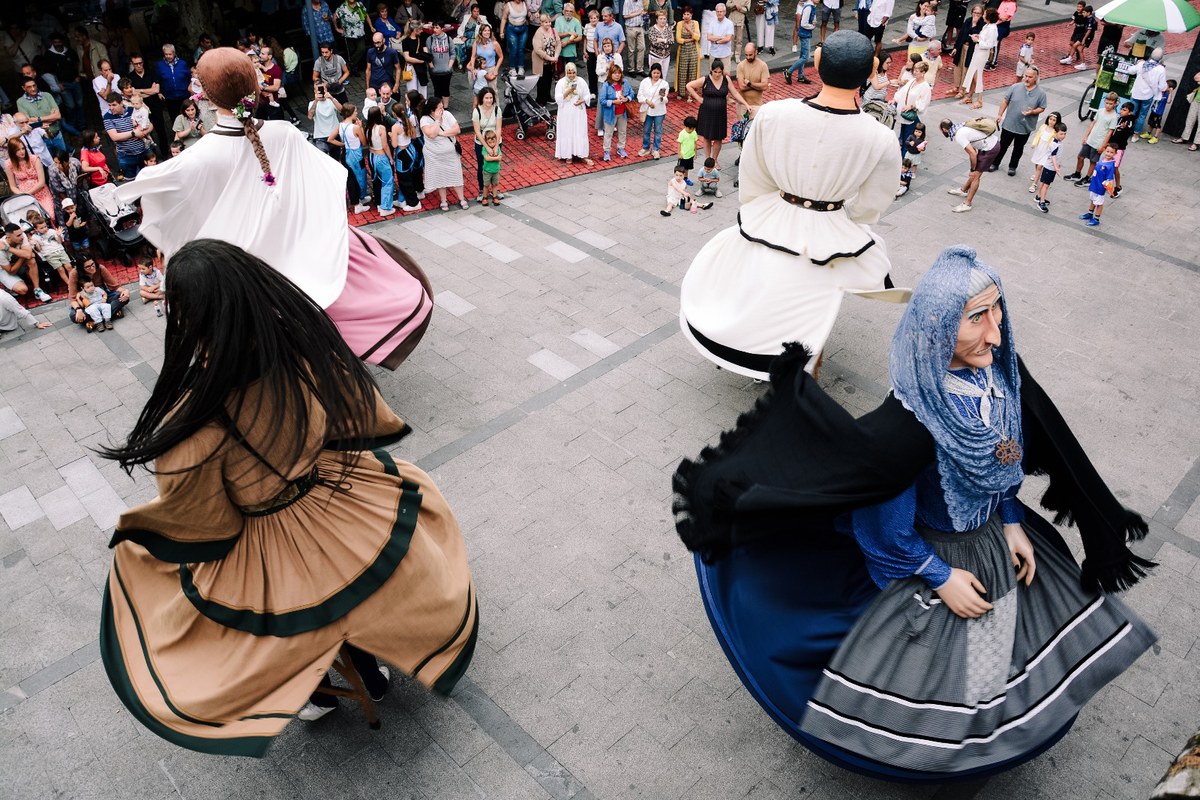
(145,84)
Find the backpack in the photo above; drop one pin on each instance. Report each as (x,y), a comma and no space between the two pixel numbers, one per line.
(985,125)
(885,113)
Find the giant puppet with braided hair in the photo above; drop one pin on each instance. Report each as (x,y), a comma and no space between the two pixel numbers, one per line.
(262,186)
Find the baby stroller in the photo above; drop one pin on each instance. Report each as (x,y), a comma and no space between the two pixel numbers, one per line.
(116,233)
(520,100)
(15,209)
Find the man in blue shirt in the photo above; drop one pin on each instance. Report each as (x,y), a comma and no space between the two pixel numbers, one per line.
(383,65)
(609,29)
(129,141)
(174,80)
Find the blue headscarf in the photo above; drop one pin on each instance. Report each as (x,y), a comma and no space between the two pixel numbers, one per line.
(919,360)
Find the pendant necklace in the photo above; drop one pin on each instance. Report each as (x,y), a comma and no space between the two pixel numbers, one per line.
(1008,450)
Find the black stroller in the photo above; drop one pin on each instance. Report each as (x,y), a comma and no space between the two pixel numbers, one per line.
(116,230)
(520,103)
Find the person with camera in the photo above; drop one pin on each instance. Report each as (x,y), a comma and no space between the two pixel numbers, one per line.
(325,112)
(331,71)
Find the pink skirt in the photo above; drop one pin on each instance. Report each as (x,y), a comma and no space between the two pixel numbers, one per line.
(385,306)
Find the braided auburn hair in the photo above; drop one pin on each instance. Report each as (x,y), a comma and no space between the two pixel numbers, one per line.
(228,77)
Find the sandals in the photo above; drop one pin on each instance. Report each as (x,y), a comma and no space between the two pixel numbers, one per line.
(485,202)
(463,204)
(445,206)
(977,105)
(1177,141)
(496,200)
(1194,148)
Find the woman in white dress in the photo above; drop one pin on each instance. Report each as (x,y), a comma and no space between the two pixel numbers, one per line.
(814,174)
(443,164)
(985,42)
(572,96)
(263,187)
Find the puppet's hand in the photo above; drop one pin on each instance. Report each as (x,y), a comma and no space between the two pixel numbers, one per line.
(963,594)
(1021,550)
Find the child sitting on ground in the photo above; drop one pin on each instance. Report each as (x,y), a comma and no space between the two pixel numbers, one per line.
(491,169)
(710,178)
(678,194)
(150,283)
(906,176)
(687,147)
(1049,167)
(48,243)
(94,302)
(1101,186)
(1155,121)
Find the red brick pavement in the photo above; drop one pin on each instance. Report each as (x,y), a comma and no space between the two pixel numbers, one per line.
(531,162)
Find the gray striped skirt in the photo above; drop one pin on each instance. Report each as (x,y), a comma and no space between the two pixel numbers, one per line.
(917,687)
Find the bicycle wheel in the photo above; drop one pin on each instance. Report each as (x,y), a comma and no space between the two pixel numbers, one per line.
(1085,103)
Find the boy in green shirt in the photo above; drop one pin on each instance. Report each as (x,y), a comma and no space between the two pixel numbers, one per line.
(687,147)
(491,169)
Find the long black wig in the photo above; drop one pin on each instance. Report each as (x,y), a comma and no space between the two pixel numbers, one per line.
(234,322)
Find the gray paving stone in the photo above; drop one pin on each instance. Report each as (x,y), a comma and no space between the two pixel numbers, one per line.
(19,508)
(10,423)
(553,364)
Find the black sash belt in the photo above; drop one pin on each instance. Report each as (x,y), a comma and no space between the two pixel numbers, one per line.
(812,205)
(752,361)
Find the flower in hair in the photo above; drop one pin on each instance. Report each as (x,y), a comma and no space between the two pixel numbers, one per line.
(269,178)
(245,107)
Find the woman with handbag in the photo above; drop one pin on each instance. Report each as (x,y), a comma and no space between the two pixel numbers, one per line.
(547,48)
(443,154)
(412,52)
(985,43)
(911,100)
(263,187)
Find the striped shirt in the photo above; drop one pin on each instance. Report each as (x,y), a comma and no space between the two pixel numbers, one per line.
(123,123)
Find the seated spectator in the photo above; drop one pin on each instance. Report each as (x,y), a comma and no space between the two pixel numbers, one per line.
(26,175)
(12,314)
(64,173)
(48,245)
(94,302)
(77,229)
(18,269)
(151,287)
(116,296)
(92,161)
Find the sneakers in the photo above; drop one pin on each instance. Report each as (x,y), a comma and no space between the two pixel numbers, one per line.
(705,206)
(1066,60)
(157,308)
(1043,205)
(1083,181)
(40,294)
(1074,176)
(607,157)
(1145,135)
(795,48)
(787,78)
(1086,215)
(664,213)
(643,153)
(719,194)
(657,155)
(312,712)
(961,208)
(688,181)
(994,168)
(361,209)
(956,192)
(621,152)
(1080,67)
(1116,192)
(771,50)
(410,209)
(1152,140)
(520,72)
(1012,171)
(387,212)
(1093,222)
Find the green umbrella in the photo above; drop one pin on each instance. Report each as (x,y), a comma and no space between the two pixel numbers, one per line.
(1167,16)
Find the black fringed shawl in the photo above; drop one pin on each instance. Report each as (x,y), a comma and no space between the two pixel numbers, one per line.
(798,460)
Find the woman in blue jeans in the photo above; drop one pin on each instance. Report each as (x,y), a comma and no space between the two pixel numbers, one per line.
(380,155)
(350,137)
(514,25)
(652,96)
